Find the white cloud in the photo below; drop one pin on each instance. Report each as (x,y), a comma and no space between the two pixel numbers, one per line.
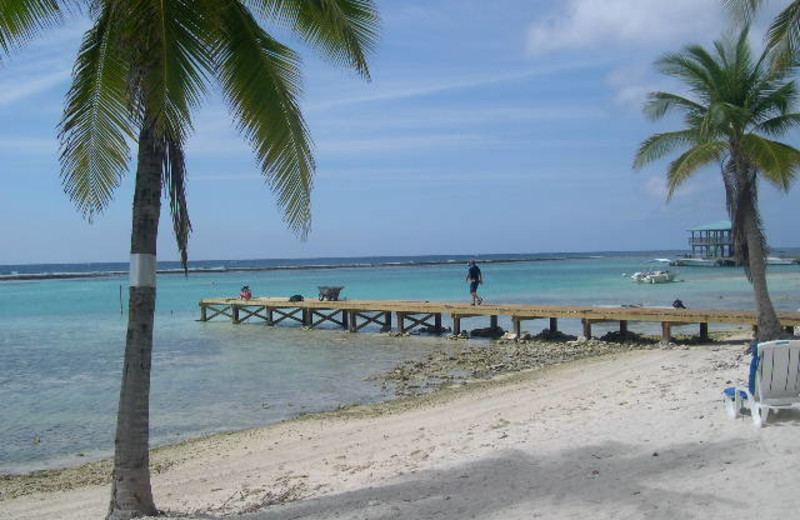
(598,24)
(396,92)
(28,146)
(11,93)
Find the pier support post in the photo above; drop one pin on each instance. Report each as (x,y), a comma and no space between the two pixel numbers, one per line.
(553,324)
(307,317)
(351,322)
(344,319)
(517,324)
(234,314)
(203,313)
(387,325)
(493,321)
(666,331)
(623,327)
(456,324)
(704,332)
(587,328)
(401,323)
(437,323)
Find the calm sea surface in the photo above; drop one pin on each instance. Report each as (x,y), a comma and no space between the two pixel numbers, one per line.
(62,341)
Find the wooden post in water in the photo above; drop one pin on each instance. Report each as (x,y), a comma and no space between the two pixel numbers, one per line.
(493,321)
(666,331)
(623,327)
(587,328)
(387,327)
(456,324)
(553,324)
(704,332)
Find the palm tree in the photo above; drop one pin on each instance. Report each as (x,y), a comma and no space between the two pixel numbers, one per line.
(783,37)
(736,106)
(142,71)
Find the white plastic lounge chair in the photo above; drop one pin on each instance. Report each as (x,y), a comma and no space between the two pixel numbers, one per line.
(774,381)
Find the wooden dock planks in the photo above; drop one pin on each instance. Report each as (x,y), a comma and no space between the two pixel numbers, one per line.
(411,314)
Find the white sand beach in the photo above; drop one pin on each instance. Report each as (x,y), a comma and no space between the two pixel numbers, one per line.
(636,435)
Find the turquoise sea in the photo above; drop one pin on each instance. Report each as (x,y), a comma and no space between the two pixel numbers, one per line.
(61,340)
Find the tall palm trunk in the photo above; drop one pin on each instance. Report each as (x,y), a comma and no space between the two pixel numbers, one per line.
(131,494)
(769,327)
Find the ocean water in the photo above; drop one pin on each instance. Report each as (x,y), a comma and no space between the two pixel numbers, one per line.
(62,340)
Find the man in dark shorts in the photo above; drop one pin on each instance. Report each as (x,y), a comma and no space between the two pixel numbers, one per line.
(475,278)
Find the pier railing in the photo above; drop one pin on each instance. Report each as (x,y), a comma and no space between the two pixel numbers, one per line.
(354,315)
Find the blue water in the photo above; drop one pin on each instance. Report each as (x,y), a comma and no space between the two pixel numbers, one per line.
(61,341)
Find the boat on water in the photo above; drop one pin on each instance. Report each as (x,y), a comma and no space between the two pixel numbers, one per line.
(774,260)
(654,272)
(658,276)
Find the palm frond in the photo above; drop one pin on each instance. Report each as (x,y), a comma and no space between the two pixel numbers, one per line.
(779,125)
(742,11)
(777,162)
(659,104)
(770,99)
(344,31)
(658,146)
(174,177)
(686,67)
(174,59)
(261,81)
(691,161)
(20,20)
(783,39)
(97,123)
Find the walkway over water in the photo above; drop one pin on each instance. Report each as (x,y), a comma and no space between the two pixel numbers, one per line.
(354,315)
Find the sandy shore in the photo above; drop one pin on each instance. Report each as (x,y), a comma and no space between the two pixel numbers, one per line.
(638,434)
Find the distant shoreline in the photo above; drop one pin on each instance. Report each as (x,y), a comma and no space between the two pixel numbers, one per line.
(217,270)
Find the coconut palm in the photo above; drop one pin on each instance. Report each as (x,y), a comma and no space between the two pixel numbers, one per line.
(142,71)
(735,107)
(783,36)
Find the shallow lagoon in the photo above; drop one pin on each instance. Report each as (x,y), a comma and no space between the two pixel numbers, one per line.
(61,344)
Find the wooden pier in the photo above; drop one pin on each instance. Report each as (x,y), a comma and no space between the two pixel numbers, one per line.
(353,315)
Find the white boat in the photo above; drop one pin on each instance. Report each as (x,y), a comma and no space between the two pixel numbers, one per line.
(774,260)
(654,272)
(658,276)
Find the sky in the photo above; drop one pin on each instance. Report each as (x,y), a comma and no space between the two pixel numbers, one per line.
(488,127)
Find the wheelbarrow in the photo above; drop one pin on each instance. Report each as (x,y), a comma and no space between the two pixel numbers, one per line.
(329,292)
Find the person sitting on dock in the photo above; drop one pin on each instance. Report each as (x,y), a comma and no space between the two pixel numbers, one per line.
(475,278)
(678,304)
(246,294)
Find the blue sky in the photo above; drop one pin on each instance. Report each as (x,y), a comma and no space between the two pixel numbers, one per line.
(489,127)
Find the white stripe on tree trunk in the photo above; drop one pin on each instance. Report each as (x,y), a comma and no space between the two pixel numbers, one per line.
(143,270)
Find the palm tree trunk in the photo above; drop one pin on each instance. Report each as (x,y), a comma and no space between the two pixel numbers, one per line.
(769,327)
(131,494)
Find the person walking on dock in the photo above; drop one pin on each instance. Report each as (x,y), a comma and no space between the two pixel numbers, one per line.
(475,278)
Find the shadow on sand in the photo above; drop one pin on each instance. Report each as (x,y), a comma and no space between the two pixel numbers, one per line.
(598,481)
